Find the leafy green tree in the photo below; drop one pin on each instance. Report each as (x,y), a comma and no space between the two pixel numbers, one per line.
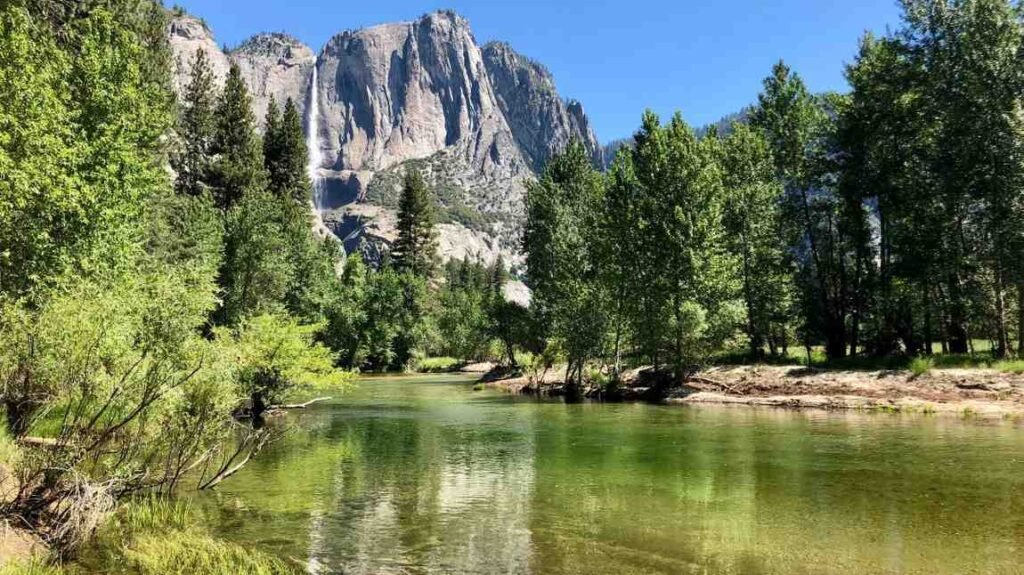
(276,356)
(80,144)
(415,250)
(560,243)
(238,169)
(971,51)
(752,221)
(621,242)
(347,316)
(799,128)
(698,270)
(257,269)
(462,318)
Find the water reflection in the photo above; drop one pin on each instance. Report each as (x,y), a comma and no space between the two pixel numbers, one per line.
(426,476)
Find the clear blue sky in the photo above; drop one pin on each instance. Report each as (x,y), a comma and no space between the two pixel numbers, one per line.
(705,58)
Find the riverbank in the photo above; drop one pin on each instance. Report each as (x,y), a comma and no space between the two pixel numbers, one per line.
(968,391)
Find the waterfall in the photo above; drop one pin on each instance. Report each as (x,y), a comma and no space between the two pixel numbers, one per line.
(316,155)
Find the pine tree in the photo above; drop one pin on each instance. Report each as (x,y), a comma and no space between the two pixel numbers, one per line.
(292,179)
(285,154)
(238,169)
(196,127)
(271,139)
(415,250)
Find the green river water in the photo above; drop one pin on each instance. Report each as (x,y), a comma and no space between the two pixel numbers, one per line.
(425,475)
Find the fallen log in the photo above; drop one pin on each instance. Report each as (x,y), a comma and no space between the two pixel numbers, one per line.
(39,442)
(299,405)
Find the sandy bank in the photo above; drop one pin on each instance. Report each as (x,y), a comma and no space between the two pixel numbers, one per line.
(980,392)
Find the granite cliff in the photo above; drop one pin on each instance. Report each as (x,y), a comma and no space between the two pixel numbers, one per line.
(478,122)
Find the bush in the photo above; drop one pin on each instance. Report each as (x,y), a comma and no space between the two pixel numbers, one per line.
(921,365)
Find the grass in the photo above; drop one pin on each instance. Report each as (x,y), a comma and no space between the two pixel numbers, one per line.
(158,536)
(981,359)
(32,567)
(190,553)
(921,365)
(438,364)
(1014,366)
(10,453)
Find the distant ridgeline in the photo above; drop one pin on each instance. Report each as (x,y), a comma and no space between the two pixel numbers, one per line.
(477,121)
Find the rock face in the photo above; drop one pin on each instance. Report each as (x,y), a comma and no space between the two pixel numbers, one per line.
(401,91)
(275,65)
(271,64)
(187,36)
(477,122)
(541,122)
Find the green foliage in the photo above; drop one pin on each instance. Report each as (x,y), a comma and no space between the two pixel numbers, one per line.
(238,169)
(285,154)
(463,320)
(561,246)
(346,315)
(921,365)
(257,268)
(415,250)
(438,364)
(1015,367)
(276,356)
(79,144)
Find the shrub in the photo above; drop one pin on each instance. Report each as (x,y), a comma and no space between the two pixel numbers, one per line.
(921,365)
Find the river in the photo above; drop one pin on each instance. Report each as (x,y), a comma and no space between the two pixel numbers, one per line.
(425,475)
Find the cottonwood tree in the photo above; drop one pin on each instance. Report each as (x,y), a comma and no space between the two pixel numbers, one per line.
(752,219)
(561,246)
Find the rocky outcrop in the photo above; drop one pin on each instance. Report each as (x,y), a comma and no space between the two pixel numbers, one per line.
(278,66)
(271,64)
(188,35)
(541,122)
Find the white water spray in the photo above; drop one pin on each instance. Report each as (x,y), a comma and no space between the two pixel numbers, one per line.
(316,155)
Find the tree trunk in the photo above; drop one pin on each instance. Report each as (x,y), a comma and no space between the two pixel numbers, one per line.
(1020,318)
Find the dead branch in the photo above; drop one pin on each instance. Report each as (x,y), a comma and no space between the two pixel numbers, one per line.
(299,405)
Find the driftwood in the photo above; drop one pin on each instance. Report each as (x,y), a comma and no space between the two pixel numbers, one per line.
(39,442)
(299,405)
